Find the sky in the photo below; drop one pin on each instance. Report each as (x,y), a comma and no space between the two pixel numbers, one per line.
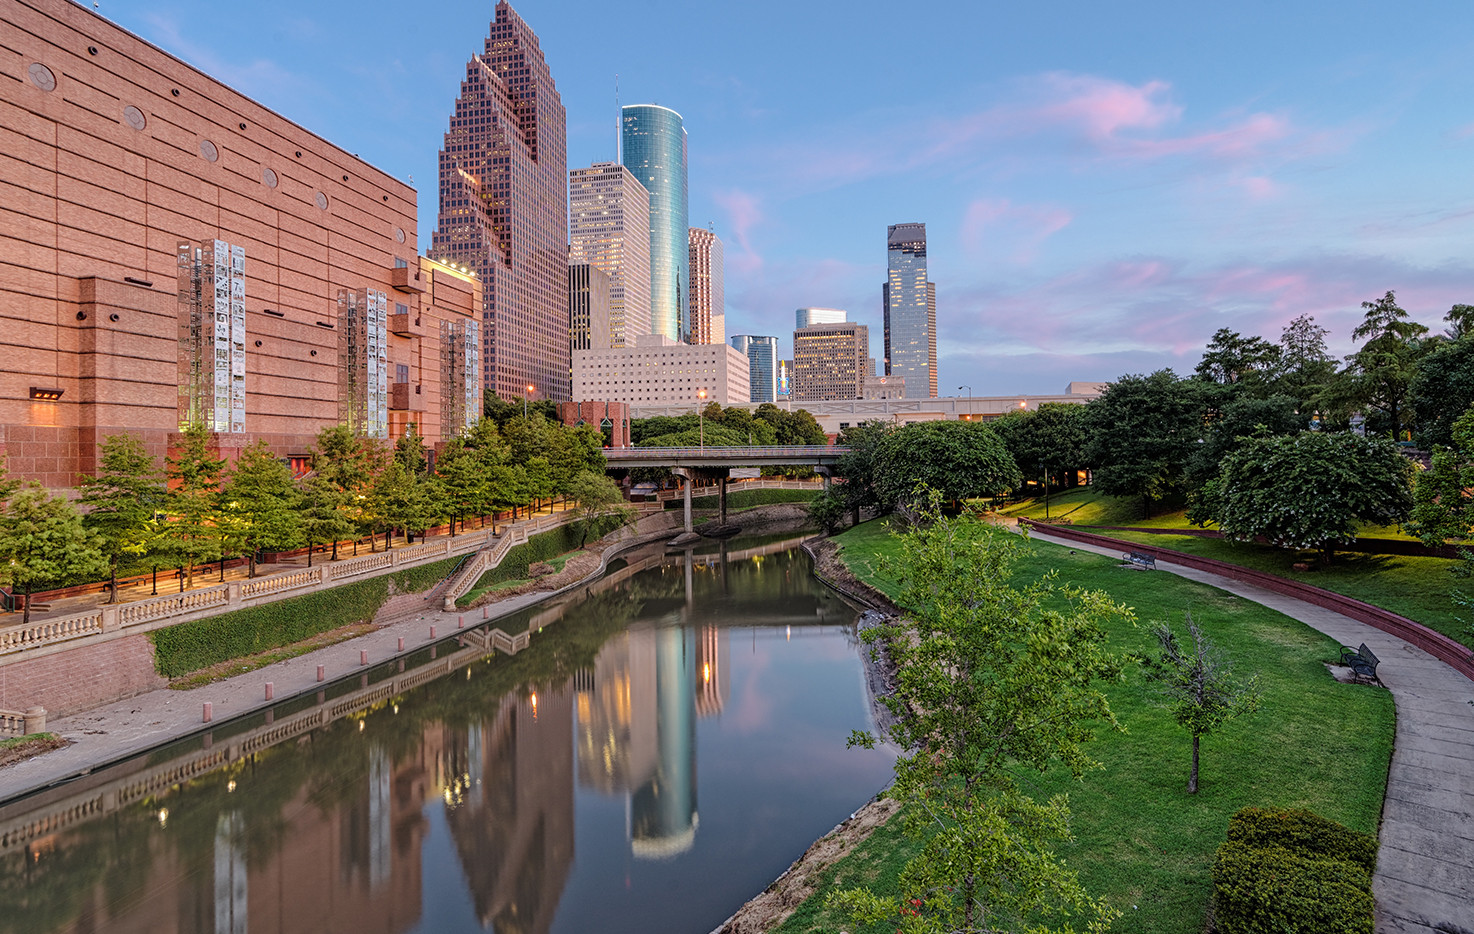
(1104,185)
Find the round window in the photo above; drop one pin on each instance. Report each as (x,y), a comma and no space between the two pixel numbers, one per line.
(42,77)
(208,150)
(134,117)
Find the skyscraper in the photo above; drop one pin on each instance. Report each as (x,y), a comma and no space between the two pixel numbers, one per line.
(609,228)
(504,208)
(830,361)
(804,317)
(707,301)
(762,364)
(654,149)
(588,307)
(910,312)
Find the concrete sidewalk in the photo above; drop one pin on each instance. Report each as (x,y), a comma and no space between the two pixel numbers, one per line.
(1425,863)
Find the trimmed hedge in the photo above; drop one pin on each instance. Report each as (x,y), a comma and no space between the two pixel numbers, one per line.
(1292,872)
(200,643)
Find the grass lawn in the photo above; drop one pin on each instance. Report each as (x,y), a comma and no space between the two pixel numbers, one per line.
(1141,841)
(739,499)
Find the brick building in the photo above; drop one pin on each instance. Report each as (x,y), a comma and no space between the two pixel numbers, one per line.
(170,250)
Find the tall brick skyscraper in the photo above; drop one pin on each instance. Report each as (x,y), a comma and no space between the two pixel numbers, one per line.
(504,209)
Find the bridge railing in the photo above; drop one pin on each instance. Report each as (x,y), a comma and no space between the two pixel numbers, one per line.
(764,451)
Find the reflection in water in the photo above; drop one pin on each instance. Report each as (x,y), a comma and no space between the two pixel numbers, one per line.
(323,818)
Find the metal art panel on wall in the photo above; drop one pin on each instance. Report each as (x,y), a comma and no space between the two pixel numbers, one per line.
(363,362)
(212,336)
(460,375)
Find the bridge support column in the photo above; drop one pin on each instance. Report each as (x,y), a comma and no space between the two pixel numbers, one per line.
(722,497)
(827,474)
(685,474)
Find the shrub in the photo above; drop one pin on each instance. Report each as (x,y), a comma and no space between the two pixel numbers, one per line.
(1272,890)
(1304,832)
(542,547)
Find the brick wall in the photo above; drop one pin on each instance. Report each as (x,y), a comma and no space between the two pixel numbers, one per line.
(78,679)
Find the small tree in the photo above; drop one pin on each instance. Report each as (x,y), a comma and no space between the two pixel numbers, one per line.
(261,504)
(398,501)
(597,496)
(958,460)
(42,540)
(1198,685)
(828,509)
(193,502)
(121,501)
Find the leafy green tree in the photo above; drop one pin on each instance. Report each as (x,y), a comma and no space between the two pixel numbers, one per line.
(992,681)
(1306,367)
(121,501)
(1232,359)
(1306,491)
(1441,389)
(1142,431)
(42,540)
(343,469)
(597,496)
(1049,440)
(1442,510)
(1379,372)
(1460,320)
(464,482)
(540,481)
(263,503)
(409,450)
(1241,418)
(398,501)
(1199,686)
(193,502)
(573,451)
(862,468)
(508,489)
(7,485)
(797,427)
(957,460)
(828,509)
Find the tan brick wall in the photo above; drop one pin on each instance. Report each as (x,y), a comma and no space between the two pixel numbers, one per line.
(81,678)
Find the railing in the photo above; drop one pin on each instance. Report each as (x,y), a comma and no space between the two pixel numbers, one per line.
(12,723)
(51,630)
(266,586)
(1454,654)
(766,452)
(352,567)
(131,614)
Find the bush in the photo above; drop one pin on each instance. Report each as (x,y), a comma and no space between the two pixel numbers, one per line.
(542,547)
(1304,832)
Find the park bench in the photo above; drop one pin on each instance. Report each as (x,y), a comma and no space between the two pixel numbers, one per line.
(1361,662)
(1139,560)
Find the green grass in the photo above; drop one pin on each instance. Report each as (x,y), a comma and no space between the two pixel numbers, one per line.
(738,500)
(1085,506)
(12,741)
(1141,842)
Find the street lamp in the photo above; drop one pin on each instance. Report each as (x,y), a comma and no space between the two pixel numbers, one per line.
(1044,469)
(530,389)
(969,399)
(701,417)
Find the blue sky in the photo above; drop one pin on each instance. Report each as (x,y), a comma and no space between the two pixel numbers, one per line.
(1104,185)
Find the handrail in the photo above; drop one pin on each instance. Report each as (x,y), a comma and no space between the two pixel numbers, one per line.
(793,450)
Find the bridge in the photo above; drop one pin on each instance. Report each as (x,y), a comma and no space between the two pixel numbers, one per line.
(686,462)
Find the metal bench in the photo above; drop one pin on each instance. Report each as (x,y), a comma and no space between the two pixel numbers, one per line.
(1362,662)
(1139,560)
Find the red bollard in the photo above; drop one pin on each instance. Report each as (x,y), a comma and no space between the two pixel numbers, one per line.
(485,612)
(401,643)
(460,622)
(363,656)
(432,632)
(208,707)
(321,672)
(270,690)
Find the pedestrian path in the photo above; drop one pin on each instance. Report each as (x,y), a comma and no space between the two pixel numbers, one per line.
(1424,882)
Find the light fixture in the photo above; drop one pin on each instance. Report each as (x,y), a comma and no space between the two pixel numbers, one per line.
(43,394)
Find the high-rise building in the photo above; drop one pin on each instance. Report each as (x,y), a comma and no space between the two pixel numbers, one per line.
(910,312)
(719,329)
(588,307)
(609,228)
(829,361)
(504,208)
(807,316)
(654,149)
(762,364)
(707,300)
(660,371)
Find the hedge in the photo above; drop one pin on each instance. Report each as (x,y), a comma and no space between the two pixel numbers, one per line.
(543,547)
(1293,872)
(200,643)
(746,499)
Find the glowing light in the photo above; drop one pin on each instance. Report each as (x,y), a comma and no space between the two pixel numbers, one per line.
(706,673)
(230,786)
(163,816)
(360,726)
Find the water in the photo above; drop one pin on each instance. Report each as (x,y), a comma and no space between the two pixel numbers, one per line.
(666,744)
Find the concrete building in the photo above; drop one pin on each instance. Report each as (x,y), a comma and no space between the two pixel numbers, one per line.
(660,371)
(883,387)
(504,208)
(718,329)
(830,361)
(609,228)
(805,317)
(762,364)
(910,304)
(172,252)
(653,146)
(589,307)
(707,300)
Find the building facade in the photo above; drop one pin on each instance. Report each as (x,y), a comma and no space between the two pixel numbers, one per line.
(830,361)
(804,317)
(910,303)
(609,228)
(589,305)
(504,208)
(762,365)
(166,261)
(653,147)
(660,371)
(708,304)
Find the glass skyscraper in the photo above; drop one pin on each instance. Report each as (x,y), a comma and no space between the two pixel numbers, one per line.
(910,312)
(653,140)
(762,364)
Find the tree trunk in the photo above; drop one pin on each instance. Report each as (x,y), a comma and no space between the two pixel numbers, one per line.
(251,566)
(1192,778)
(309,553)
(26,595)
(335,549)
(112,582)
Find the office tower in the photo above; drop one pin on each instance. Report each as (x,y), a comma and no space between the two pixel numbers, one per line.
(609,228)
(504,208)
(807,316)
(762,364)
(588,307)
(829,361)
(707,301)
(718,329)
(654,149)
(910,312)
(660,371)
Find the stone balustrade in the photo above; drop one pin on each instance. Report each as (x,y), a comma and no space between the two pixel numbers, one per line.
(51,630)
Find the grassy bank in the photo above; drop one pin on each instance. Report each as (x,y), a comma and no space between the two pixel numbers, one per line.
(1141,841)
(738,500)
(553,546)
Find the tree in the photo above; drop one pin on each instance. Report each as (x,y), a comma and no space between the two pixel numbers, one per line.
(1142,430)
(398,501)
(861,468)
(193,502)
(42,540)
(992,680)
(464,482)
(343,469)
(1232,359)
(1380,371)
(1049,440)
(121,501)
(957,460)
(1306,368)
(1199,686)
(262,504)
(1442,511)
(1241,418)
(1440,390)
(828,509)
(1306,491)
(1460,320)
(597,496)
(409,450)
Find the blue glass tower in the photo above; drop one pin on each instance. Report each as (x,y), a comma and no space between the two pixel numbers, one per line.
(910,303)
(653,140)
(762,364)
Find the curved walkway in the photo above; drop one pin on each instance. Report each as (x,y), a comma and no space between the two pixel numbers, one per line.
(1425,863)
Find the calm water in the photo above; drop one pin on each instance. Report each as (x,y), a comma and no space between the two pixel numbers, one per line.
(666,744)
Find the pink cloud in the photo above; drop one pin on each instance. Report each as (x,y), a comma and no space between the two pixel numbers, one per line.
(743,214)
(1103,108)
(997,226)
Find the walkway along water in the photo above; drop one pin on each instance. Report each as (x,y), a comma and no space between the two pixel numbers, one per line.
(1424,882)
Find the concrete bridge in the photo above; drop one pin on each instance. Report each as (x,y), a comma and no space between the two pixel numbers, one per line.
(714,462)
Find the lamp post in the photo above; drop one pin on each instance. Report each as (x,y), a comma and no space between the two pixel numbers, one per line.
(1044,470)
(701,417)
(969,399)
(530,389)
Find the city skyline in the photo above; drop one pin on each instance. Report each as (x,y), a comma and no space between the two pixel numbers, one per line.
(1103,191)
